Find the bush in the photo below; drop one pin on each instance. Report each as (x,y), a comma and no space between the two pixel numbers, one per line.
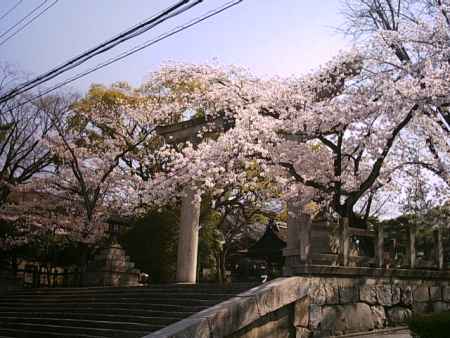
(436,325)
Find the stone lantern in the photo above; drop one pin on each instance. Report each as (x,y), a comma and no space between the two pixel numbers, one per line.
(111,266)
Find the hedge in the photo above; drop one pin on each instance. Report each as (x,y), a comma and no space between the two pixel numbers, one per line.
(436,325)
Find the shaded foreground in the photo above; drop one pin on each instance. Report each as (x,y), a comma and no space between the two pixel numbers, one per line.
(104,312)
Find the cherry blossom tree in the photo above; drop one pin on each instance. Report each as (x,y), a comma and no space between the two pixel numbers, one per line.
(411,40)
(23,127)
(341,134)
(94,143)
(337,131)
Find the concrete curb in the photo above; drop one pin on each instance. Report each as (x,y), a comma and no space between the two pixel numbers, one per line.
(395,332)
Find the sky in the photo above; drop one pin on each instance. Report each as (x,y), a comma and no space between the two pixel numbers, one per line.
(270,37)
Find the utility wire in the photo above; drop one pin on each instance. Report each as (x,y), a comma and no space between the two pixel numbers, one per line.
(158,18)
(135,49)
(24,18)
(29,22)
(176,9)
(11,9)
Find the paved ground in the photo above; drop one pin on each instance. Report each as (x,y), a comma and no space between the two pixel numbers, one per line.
(390,333)
(404,334)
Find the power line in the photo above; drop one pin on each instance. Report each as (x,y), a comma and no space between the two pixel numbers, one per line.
(11,9)
(104,46)
(136,49)
(29,22)
(24,18)
(176,9)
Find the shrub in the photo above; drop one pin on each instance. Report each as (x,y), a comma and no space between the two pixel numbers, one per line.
(436,325)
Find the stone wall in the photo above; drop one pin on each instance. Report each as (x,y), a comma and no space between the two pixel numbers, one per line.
(336,306)
(274,324)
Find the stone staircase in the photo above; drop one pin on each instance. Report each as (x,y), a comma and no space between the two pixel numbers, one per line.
(105,312)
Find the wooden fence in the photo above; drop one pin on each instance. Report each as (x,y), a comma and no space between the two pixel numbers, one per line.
(34,276)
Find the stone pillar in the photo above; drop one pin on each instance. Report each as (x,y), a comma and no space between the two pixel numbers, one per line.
(298,249)
(380,246)
(412,246)
(305,238)
(292,250)
(439,247)
(293,227)
(345,241)
(188,237)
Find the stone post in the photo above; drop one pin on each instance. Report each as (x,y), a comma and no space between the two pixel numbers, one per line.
(305,238)
(298,249)
(188,237)
(439,247)
(412,246)
(292,250)
(345,241)
(380,245)
(293,227)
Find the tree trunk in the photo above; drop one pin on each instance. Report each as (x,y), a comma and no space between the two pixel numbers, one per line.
(4,193)
(84,264)
(219,271)
(222,266)
(14,266)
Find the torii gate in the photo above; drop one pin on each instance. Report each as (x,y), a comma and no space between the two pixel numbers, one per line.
(298,246)
(300,254)
(301,230)
(190,203)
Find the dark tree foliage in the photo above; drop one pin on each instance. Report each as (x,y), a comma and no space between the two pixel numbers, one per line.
(151,242)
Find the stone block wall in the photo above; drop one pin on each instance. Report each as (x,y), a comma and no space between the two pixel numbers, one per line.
(277,324)
(336,306)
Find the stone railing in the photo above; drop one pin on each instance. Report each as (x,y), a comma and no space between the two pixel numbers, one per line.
(266,311)
(304,307)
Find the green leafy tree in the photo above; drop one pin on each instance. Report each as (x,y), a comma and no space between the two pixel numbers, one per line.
(151,242)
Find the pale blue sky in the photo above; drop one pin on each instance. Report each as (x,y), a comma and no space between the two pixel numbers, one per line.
(271,37)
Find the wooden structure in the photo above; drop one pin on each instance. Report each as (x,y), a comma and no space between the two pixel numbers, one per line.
(270,246)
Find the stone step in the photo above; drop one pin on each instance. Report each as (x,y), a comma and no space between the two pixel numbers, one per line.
(19,333)
(73,330)
(85,323)
(115,301)
(102,306)
(115,297)
(87,311)
(104,311)
(158,293)
(184,286)
(156,320)
(144,289)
